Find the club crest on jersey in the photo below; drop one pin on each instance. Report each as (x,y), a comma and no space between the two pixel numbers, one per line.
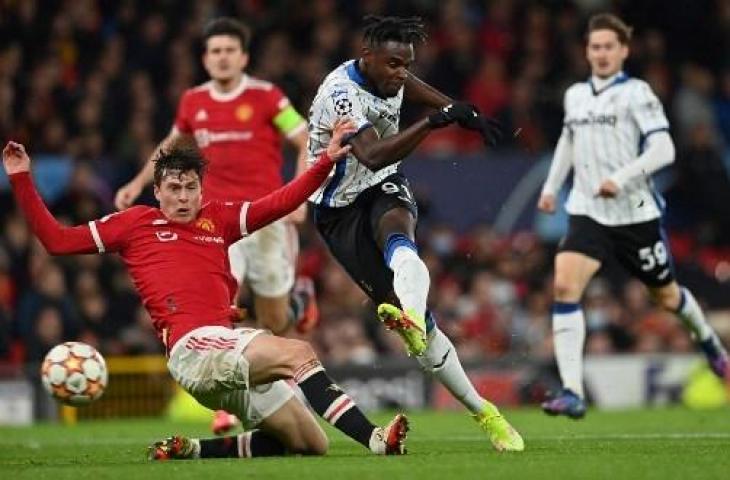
(201,116)
(205,224)
(343,106)
(244,112)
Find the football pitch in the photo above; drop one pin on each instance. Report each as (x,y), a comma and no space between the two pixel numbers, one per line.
(648,444)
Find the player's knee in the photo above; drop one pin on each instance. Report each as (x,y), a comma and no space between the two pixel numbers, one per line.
(318,445)
(277,322)
(668,298)
(565,291)
(300,354)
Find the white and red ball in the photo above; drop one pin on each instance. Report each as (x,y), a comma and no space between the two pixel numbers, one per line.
(74,373)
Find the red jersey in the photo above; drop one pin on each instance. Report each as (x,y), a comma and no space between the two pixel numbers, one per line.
(179,269)
(239,133)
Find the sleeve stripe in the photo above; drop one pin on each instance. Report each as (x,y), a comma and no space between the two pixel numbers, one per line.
(242,218)
(655,130)
(97,237)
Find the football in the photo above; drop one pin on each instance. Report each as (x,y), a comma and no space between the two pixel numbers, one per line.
(74,373)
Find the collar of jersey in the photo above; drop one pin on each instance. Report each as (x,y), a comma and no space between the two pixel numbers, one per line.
(620,77)
(353,71)
(225,97)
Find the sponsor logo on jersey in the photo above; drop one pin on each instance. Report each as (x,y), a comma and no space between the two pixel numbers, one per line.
(166,235)
(209,239)
(244,112)
(204,137)
(205,224)
(201,116)
(593,119)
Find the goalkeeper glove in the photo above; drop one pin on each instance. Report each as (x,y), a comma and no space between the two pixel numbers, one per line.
(468,117)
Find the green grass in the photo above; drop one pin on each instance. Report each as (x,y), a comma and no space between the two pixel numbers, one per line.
(649,444)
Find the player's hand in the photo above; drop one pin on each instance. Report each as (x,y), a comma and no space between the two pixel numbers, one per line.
(608,189)
(15,159)
(126,195)
(336,150)
(467,116)
(546,203)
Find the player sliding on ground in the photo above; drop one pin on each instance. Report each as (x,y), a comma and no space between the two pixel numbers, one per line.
(614,211)
(238,122)
(366,212)
(176,256)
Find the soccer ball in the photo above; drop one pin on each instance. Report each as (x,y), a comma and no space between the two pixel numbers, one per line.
(74,373)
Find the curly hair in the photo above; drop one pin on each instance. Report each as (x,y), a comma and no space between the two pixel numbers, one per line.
(378,30)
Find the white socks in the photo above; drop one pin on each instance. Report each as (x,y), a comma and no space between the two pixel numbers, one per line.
(692,317)
(411,280)
(569,334)
(442,361)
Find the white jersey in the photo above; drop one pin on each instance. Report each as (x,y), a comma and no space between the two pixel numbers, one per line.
(606,130)
(343,94)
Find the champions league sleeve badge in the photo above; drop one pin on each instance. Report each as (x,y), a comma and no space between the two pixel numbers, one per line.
(343,106)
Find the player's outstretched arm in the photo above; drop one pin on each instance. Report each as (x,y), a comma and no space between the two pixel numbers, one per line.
(56,238)
(376,153)
(280,202)
(417,91)
(466,115)
(299,142)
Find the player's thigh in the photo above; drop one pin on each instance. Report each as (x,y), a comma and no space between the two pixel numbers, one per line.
(573,271)
(350,238)
(293,424)
(643,250)
(273,358)
(393,209)
(580,254)
(270,259)
(210,361)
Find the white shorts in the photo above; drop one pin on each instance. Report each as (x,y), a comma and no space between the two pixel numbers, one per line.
(266,259)
(209,364)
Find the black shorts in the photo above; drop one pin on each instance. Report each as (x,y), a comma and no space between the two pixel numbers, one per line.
(350,234)
(641,247)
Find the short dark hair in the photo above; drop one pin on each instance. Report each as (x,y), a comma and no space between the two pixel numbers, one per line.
(227,26)
(378,30)
(178,158)
(609,21)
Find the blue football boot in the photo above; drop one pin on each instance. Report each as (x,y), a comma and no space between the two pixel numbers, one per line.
(566,403)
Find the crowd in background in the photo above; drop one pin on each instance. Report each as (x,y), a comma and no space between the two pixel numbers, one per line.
(96,83)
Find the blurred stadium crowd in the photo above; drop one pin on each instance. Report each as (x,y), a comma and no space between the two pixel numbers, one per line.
(95,84)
